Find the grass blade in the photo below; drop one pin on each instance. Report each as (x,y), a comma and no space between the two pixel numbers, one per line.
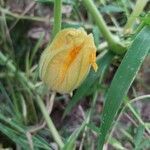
(17,133)
(123,80)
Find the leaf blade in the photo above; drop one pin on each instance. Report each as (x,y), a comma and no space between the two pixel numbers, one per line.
(124,78)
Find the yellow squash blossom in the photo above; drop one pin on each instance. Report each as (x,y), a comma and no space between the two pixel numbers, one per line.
(65,63)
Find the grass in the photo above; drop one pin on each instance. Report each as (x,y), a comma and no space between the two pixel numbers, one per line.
(107,111)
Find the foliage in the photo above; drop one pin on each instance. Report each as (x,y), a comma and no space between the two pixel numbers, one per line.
(106,108)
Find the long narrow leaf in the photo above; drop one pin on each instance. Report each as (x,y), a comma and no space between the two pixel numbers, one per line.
(123,80)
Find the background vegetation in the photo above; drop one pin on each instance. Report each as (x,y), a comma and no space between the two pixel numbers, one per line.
(82,119)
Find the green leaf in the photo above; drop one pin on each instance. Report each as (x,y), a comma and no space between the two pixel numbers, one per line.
(122,80)
(89,83)
(7,107)
(138,137)
(17,133)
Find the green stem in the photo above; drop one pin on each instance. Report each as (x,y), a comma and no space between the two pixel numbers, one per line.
(57,17)
(56,29)
(114,44)
(50,124)
(139,6)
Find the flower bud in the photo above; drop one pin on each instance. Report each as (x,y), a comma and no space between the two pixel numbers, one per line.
(65,63)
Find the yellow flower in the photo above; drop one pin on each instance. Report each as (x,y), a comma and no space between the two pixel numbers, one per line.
(65,63)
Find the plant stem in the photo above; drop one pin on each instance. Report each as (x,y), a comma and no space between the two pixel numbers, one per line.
(49,122)
(56,29)
(114,44)
(57,17)
(100,21)
(139,6)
